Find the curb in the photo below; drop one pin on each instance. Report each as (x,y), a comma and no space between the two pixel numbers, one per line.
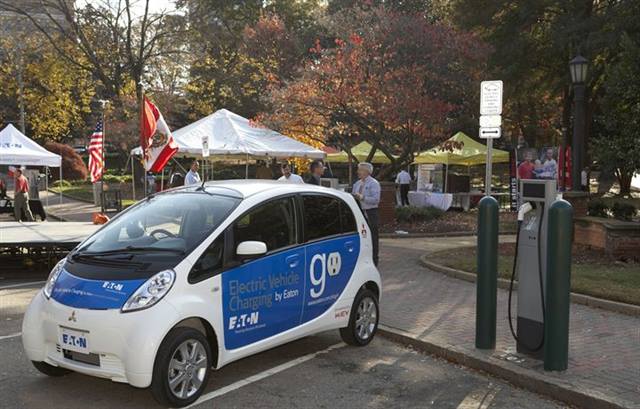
(520,377)
(576,298)
(443,234)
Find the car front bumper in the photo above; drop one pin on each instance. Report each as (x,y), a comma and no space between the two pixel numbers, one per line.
(125,343)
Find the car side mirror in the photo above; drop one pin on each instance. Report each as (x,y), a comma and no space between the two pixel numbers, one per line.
(251,249)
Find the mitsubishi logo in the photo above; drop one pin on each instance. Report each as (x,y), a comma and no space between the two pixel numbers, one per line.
(72,317)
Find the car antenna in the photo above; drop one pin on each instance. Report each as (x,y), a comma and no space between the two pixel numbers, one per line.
(201,188)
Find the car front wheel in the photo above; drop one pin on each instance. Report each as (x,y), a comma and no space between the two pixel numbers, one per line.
(181,369)
(363,321)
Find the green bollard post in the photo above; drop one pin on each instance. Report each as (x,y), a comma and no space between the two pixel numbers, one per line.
(487,282)
(558,286)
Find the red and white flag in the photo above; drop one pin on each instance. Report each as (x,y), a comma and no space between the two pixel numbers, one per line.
(96,153)
(157,149)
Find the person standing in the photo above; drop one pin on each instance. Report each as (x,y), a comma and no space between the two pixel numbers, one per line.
(525,169)
(403,180)
(584,179)
(287,175)
(315,172)
(192,176)
(367,191)
(21,198)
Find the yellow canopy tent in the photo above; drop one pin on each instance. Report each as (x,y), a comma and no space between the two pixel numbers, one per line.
(469,154)
(361,152)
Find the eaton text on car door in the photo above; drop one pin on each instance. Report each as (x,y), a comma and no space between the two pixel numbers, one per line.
(263,296)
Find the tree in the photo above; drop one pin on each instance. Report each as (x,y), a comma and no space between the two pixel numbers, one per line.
(617,142)
(73,168)
(533,42)
(115,43)
(392,79)
(56,95)
(237,47)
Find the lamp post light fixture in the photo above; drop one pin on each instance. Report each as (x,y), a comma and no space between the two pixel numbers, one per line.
(578,68)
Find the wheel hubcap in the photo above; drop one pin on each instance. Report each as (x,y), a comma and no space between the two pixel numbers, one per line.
(187,369)
(366,318)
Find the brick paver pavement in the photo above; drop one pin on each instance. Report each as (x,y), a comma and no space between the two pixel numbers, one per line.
(604,350)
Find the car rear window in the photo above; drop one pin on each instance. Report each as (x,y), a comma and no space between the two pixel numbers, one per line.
(326,216)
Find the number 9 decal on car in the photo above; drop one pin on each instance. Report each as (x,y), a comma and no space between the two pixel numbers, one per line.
(328,264)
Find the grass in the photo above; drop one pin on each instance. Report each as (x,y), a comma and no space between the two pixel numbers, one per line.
(592,273)
(85,192)
(81,192)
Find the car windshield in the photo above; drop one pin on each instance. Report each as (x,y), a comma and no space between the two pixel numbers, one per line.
(172,223)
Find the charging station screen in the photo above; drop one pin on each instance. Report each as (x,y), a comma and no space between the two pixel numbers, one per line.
(533,190)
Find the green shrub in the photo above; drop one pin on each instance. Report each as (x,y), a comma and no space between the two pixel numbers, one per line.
(111,178)
(411,214)
(623,211)
(597,208)
(58,183)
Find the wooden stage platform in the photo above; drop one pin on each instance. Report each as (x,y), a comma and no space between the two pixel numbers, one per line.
(44,234)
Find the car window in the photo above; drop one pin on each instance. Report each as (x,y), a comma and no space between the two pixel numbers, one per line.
(210,262)
(272,223)
(347,219)
(171,221)
(322,216)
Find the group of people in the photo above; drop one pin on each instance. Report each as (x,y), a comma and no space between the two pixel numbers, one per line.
(366,190)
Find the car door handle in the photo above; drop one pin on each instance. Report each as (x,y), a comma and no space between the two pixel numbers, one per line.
(293,261)
(349,246)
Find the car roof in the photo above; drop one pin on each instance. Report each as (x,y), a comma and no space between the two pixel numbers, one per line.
(244,188)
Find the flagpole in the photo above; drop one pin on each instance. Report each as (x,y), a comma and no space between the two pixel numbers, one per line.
(144,149)
(104,164)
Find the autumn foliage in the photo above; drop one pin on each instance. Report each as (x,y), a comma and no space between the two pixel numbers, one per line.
(392,79)
(73,168)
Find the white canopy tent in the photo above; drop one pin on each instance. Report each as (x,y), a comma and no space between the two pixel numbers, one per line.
(231,135)
(17,149)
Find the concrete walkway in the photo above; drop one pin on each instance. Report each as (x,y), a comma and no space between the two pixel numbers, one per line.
(70,210)
(604,350)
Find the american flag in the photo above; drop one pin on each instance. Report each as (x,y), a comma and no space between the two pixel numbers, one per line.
(96,154)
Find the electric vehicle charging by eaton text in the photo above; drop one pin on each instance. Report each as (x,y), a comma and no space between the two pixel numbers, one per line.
(536,197)
(542,268)
(197,277)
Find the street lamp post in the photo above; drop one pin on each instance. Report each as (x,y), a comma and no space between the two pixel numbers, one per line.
(578,69)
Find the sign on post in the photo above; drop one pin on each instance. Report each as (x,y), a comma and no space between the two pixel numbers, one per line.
(490,121)
(491,98)
(205,146)
(490,133)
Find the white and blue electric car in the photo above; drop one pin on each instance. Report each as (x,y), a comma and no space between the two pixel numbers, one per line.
(200,276)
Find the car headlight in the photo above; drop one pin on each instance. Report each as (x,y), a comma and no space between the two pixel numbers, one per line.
(151,291)
(53,277)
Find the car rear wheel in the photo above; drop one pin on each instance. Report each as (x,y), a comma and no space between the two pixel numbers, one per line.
(181,369)
(363,321)
(50,370)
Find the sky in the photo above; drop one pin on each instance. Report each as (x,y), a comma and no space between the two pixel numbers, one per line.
(138,5)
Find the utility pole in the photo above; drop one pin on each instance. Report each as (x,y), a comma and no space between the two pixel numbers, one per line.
(21,88)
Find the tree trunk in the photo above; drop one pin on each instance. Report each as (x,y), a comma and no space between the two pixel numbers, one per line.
(624,179)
